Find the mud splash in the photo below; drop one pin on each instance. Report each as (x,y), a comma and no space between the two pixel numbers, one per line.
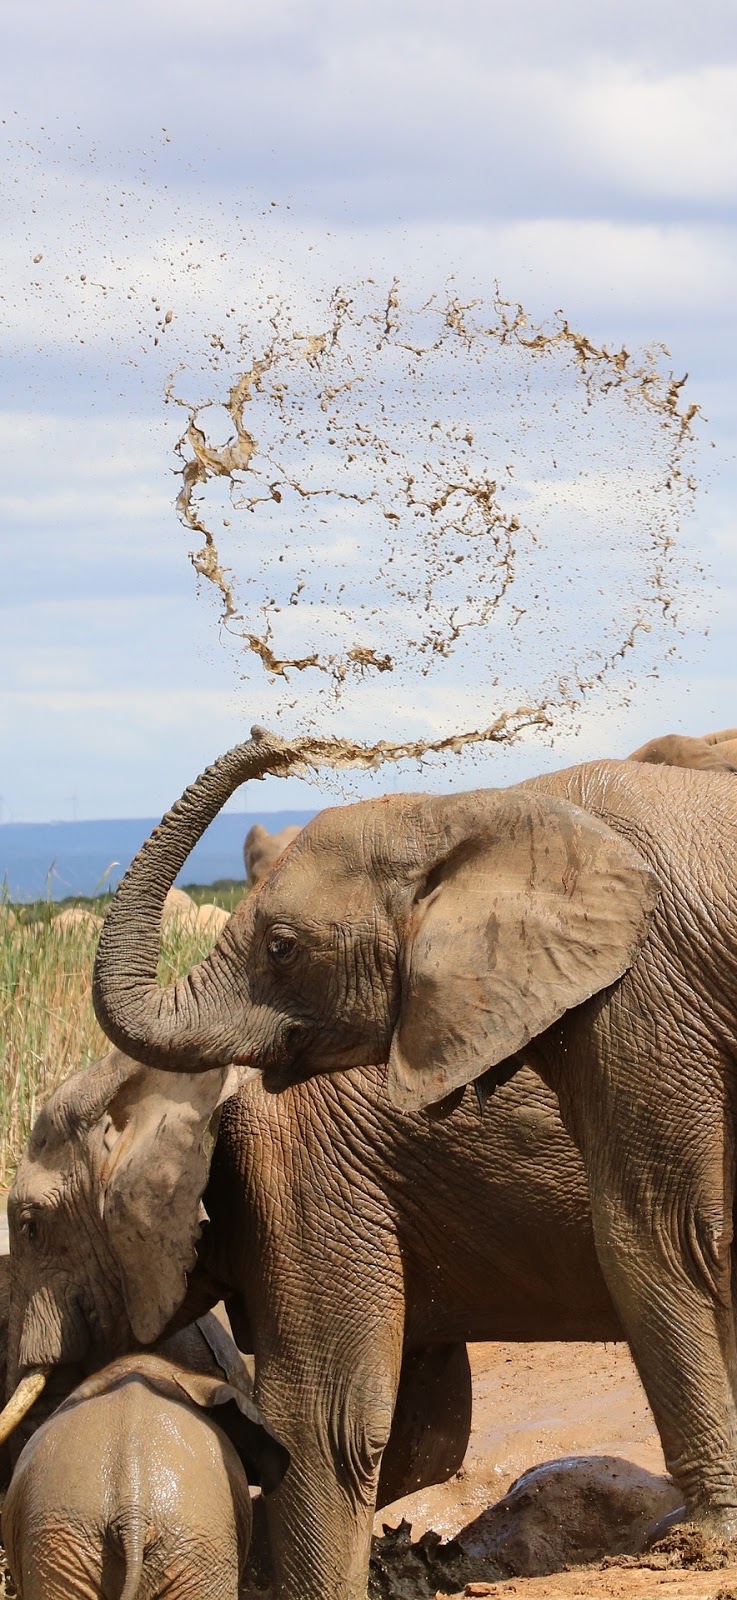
(421,514)
(412,485)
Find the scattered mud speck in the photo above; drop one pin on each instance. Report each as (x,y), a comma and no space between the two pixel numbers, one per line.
(428,519)
(7,1587)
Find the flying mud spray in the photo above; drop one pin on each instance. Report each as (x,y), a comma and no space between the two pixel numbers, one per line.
(435,511)
(428,523)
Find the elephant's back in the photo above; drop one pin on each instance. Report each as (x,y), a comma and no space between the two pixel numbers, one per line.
(673,807)
(136,1477)
(89,1459)
(684,823)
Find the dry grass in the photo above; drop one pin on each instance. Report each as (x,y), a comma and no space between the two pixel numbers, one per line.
(47,1026)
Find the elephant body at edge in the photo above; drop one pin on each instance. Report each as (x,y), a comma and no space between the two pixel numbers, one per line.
(713,752)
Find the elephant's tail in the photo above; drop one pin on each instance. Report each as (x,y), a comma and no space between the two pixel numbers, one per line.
(128,1535)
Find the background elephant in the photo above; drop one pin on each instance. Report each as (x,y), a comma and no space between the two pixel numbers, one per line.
(584,920)
(130,1484)
(714,752)
(261,849)
(444,1230)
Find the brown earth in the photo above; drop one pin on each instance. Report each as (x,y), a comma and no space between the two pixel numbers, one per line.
(536,1403)
(533,1403)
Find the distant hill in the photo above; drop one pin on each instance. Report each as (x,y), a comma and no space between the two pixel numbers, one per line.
(57,859)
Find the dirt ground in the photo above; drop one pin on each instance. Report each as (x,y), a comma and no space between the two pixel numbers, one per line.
(533,1403)
(536,1403)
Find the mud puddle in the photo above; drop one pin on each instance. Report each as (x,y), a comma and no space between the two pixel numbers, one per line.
(576,1413)
(563,1479)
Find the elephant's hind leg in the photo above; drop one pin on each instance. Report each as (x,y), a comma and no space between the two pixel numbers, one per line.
(665,1249)
(60,1562)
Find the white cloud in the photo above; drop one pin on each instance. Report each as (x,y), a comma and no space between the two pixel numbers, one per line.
(674,136)
(583,155)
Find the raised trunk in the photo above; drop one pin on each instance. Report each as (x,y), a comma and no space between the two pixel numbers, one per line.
(197,1022)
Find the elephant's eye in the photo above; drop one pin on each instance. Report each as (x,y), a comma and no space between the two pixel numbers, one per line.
(283,947)
(29,1226)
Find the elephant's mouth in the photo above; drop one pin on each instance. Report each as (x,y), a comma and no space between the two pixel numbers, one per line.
(284,1075)
(297,1050)
(315,1059)
(284,1061)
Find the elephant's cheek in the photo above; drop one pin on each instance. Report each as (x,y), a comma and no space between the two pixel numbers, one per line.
(54,1332)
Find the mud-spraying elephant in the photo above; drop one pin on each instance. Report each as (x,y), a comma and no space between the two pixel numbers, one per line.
(587,919)
(439,1231)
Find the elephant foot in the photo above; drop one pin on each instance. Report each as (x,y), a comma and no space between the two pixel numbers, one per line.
(705,1541)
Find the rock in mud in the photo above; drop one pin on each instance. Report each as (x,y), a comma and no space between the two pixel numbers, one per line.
(562,1514)
(569,1512)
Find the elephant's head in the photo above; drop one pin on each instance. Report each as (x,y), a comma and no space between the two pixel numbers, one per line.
(262,849)
(104,1216)
(442,933)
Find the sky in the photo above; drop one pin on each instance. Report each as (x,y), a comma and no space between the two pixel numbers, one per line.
(161,158)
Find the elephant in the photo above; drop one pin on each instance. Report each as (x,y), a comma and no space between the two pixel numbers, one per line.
(182,913)
(261,849)
(76,919)
(714,752)
(440,1231)
(584,922)
(131,1484)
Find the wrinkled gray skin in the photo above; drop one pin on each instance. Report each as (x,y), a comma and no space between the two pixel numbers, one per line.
(587,920)
(439,1231)
(131,1488)
(262,849)
(715,752)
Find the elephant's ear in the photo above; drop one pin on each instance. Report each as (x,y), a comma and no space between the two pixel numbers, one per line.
(262,1453)
(534,908)
(158,1137)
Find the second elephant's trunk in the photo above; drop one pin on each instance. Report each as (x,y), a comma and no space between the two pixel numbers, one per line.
(199,1021)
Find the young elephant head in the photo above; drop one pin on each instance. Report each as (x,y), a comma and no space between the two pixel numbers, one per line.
(439,932)
(104,1215)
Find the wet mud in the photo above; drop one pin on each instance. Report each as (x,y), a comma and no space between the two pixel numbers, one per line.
(562,1484)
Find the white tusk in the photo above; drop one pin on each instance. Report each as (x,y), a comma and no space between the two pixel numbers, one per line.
(20,1402)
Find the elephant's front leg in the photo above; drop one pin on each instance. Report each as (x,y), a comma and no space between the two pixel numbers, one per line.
(331,1402)
(663,1228)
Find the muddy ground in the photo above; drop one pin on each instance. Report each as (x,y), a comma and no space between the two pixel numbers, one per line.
(537,1404)
(534,1404)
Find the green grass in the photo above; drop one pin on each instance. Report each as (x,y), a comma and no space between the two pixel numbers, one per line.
(225,892)
(47,1026)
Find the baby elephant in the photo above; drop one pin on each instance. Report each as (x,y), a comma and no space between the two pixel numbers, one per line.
(130,1490)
